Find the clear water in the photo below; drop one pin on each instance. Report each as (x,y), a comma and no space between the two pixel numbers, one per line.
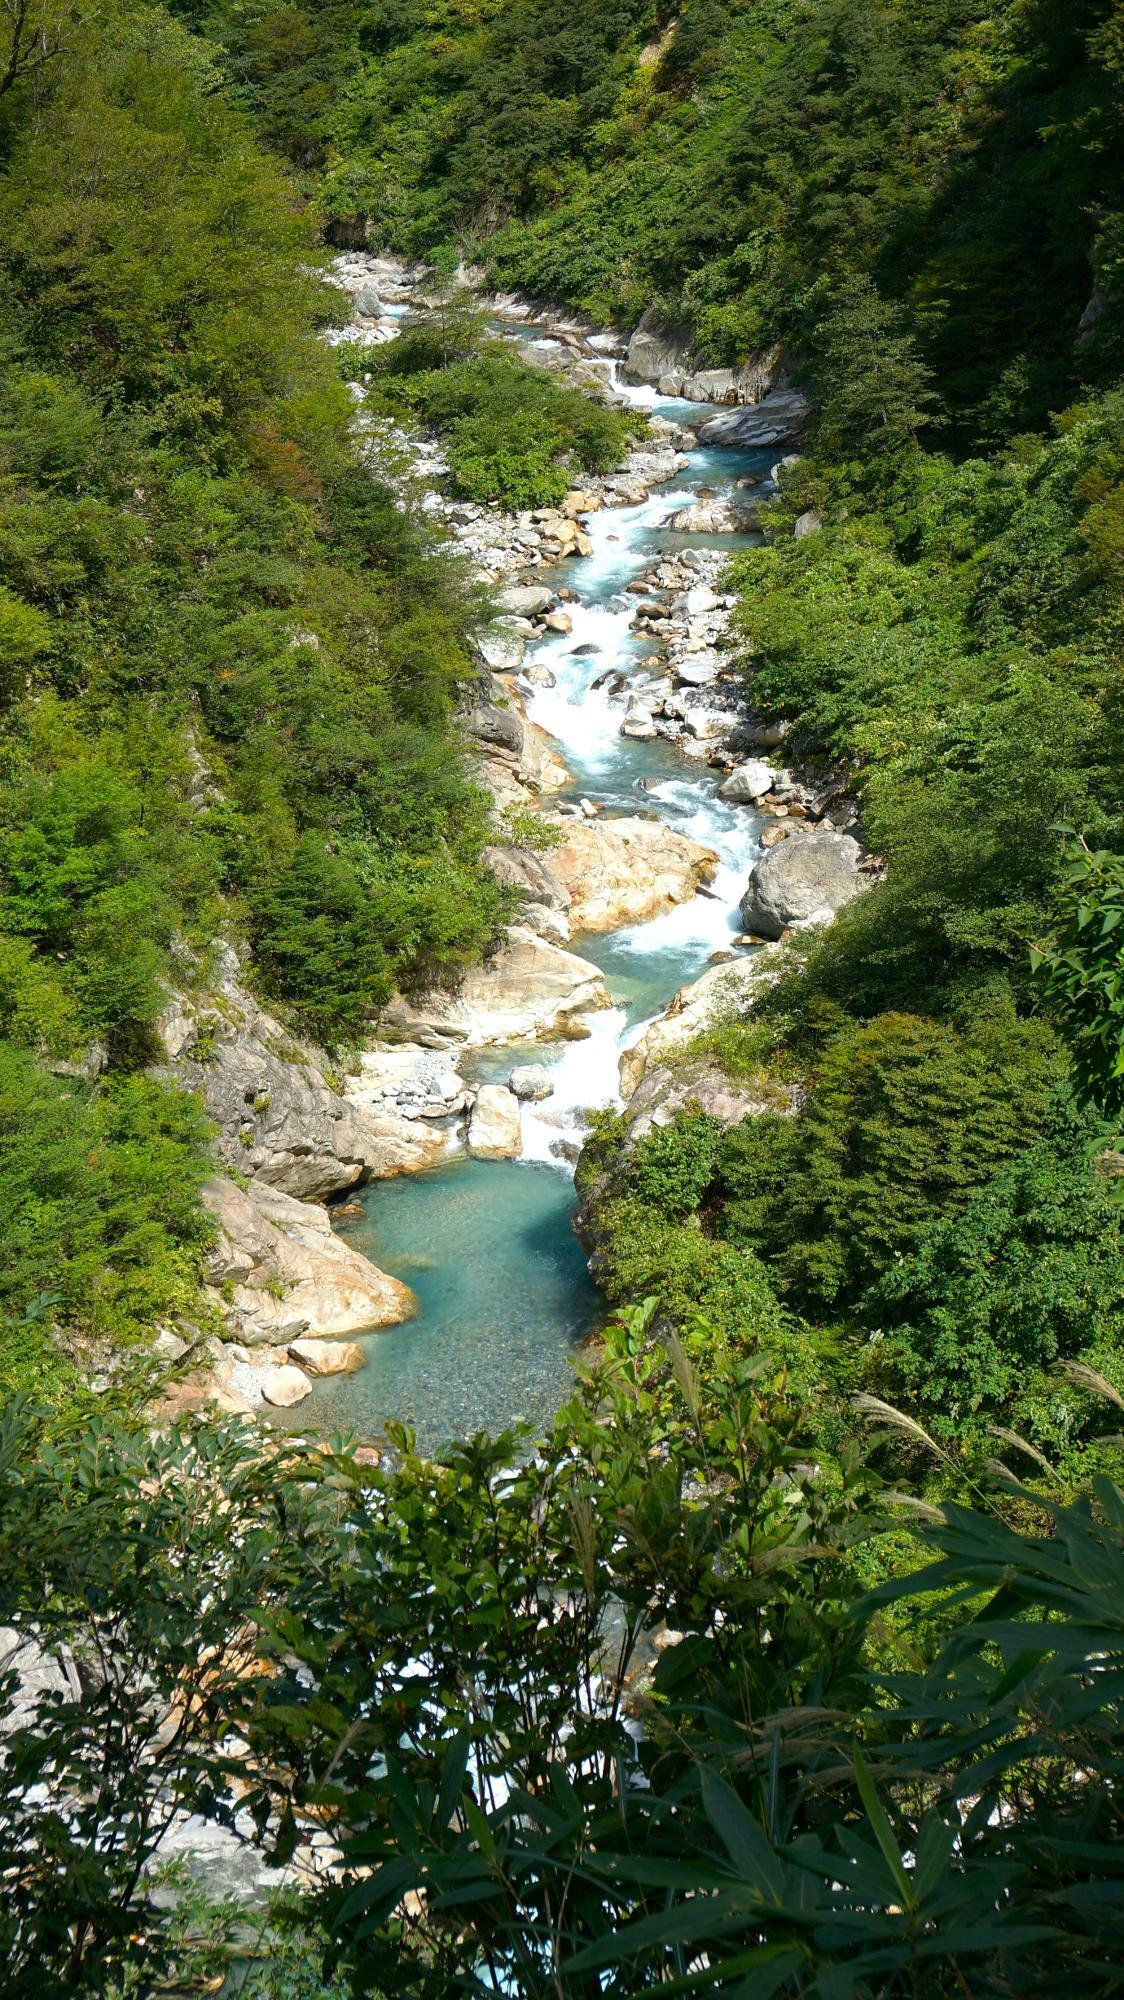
(505,1299)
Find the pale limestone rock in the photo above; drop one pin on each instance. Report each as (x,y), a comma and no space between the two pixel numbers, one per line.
(328,1357)
(749,781)
(284,1387)
(531,989)
(494,1131)
(624,871)
(401,1092)
(289,1274)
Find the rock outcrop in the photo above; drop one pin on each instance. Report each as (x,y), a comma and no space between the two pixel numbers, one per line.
(529,990)
(516,760)
(723,992)
(279,1271)
(280,1120)
(623,871)
(494,1131)
(804,879)
(779,416)
(661,353)
(697,1086)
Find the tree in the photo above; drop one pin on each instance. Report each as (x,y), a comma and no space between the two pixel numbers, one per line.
(873,387)
(33,33)
(124,1588)
(1080,967)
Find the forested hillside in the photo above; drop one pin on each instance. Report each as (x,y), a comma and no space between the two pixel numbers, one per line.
(229,658)
(788,1658)
(736,162)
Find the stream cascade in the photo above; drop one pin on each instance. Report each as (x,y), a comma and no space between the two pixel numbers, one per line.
(505,1298)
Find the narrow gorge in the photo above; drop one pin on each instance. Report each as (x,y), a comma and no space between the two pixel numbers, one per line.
(612,732)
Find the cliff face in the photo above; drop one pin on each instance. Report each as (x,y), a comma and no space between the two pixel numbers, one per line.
(280,1119)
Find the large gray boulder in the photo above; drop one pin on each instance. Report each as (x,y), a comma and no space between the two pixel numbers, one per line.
(774,420)
(809,876)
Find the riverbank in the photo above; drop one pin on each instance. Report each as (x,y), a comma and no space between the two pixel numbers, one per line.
(612,719)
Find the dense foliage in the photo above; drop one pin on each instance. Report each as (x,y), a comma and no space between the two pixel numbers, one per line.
(745,164)
(663,1736)
(509,434)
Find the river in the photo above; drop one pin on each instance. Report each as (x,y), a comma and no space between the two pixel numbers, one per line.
(505,1299)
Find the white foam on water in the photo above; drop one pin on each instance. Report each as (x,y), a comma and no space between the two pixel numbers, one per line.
(585,1078)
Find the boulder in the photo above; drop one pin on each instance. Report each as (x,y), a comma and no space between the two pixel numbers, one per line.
(698,669)
(775,419)
(284,1386)
(638,723)
(531,1082)
(328,1357)
(282,1272)
(770,735)
(494,1131)
(747,782)
(624,871)
(558,621)
(530,989)
(526,600)
(279,1119)
(368,304)
(808,877)
(500,647)
(808,523)
(706,723)
(713,517)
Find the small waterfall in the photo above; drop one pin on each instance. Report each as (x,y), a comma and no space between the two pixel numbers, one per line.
(585,1079)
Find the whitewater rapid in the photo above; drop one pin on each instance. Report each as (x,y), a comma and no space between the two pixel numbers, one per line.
(583,717)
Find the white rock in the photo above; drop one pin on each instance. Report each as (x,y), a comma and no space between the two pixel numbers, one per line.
(531,1082)
(289,1274)
(284,1386)
(749,781)
(530,988)
(726,990)
(494,1131)
(328,1357)
(624,871)
(526,600)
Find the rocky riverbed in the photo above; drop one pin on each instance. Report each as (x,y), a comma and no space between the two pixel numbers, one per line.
(645,819)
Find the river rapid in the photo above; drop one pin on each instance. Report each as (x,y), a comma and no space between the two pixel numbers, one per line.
(505,1299)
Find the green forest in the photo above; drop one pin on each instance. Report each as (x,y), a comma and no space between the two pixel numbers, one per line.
(789,1658)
